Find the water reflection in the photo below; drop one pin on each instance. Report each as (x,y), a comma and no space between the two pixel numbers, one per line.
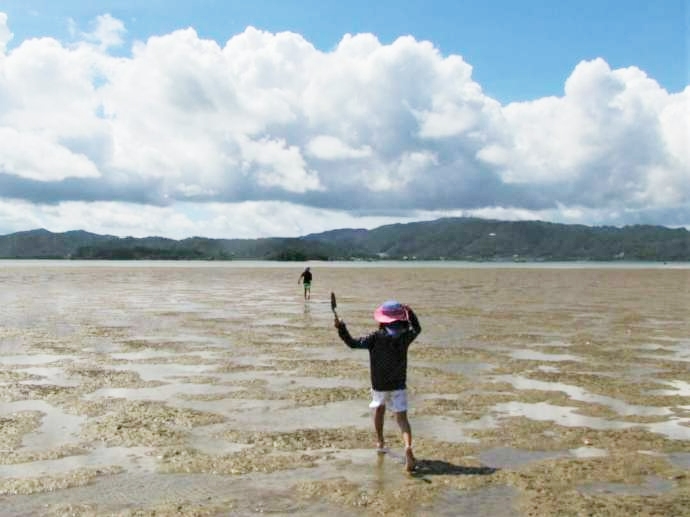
(580,394)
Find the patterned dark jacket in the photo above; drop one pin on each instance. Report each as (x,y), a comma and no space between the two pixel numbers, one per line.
(387,351)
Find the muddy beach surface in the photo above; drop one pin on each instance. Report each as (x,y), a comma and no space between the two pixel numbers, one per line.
(215,389)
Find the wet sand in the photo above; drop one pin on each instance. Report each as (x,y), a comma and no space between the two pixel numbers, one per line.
(215,389)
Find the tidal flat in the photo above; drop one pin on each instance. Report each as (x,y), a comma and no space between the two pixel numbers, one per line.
(184,388)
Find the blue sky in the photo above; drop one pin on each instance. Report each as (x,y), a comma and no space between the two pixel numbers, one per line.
(520,50)
(208,118)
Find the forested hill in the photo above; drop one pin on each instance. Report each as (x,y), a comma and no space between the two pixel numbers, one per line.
(449,239)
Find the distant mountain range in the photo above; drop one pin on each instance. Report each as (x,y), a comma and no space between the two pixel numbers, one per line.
(443,239)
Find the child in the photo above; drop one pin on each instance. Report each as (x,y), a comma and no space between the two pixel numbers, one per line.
(398,327)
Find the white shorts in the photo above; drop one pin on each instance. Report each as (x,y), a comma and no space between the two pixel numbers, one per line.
(396,399)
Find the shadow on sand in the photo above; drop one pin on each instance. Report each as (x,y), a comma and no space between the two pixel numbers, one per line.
(425,468)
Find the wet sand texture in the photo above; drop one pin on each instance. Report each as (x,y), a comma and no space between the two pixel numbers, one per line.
(214,389)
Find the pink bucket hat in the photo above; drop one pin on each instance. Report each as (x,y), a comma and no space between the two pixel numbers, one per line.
(390,311)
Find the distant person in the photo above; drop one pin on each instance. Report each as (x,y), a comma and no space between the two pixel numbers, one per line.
(305,278)
(398,327)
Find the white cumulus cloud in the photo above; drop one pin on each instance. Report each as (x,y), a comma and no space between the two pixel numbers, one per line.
(331,148)
(107,32)
(5,33)
(615,138)
(363,130)
(37,158)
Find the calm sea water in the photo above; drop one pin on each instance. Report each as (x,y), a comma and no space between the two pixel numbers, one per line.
(440,264)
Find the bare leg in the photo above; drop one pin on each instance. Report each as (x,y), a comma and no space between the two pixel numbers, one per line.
(379,413)
(404,425)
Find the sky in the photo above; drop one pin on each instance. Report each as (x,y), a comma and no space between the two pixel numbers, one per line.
(235,119)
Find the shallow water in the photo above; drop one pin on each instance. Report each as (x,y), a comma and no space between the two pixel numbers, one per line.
(206,387)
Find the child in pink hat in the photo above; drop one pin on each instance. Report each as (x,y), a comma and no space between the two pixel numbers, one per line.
(398,327)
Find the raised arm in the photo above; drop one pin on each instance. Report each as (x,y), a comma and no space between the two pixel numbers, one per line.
(361,342)
(413,320)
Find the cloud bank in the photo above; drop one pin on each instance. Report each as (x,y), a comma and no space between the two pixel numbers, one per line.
(266,135)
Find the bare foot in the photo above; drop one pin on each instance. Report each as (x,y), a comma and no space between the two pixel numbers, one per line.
(410,461)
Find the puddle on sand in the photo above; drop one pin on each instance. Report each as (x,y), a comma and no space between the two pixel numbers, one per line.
(589,452)
(143,355)
(675,352)
(565,416)
(159,393)
(51,375)
(582,395)
(652,485)
(130,458)
(511,458)
(533,355)
(494,501)
(31,360)
(164,371)
(57,428)
(287,382)
(680,388)
(441,428)
(202,438)
(552,344)
(674,428)
(641,373)
(680,459)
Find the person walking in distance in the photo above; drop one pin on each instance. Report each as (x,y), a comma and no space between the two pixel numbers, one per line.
(305,278)
(398,327)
